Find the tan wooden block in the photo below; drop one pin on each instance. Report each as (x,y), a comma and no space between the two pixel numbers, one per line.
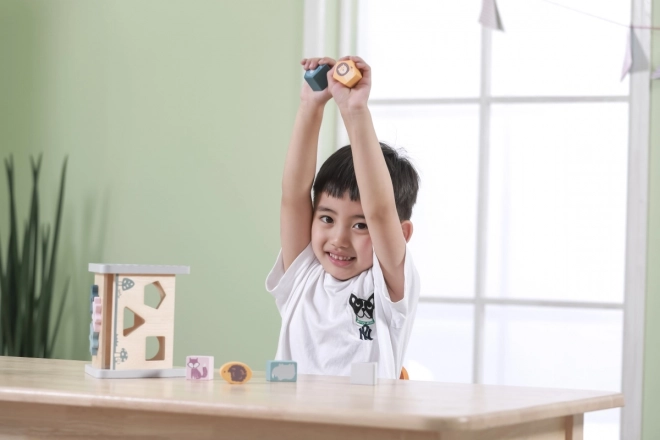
(347,73)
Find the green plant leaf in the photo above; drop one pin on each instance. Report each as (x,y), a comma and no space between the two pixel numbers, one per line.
(4,328)
(58,320)
(11,303)
(49,280)
(27,275)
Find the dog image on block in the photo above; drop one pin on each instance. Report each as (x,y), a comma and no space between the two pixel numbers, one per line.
(199,367)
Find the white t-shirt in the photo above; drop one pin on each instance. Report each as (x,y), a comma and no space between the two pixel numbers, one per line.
(328,324)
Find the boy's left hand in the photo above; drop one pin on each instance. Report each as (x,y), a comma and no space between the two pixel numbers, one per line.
(357,96)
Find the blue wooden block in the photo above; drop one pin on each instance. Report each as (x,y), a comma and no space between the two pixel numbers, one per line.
(281,371)
(93,340)
(318,78)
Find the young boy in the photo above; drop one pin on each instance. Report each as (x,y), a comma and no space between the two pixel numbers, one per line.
(344,281)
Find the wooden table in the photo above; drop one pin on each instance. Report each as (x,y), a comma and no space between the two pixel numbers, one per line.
(55,398)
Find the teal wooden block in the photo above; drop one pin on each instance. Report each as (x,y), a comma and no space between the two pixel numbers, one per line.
(281,371)
(318,78)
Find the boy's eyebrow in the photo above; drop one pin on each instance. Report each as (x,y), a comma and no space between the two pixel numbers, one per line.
(326,209)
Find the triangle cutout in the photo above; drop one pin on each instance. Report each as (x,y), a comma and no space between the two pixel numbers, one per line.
(132,321)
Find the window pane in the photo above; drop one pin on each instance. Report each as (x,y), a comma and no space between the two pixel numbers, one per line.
(421,48)
(550,50)
(442,142)
(557,201)
(440,346)
(557,348)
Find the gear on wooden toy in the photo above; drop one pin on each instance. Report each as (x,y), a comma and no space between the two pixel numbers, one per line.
(93,293)
(123,355)
(97,314)
(93,340)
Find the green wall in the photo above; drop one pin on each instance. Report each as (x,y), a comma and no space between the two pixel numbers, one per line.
(651,421)
(175,116)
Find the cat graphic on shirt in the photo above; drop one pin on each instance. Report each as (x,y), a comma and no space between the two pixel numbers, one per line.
(364,314)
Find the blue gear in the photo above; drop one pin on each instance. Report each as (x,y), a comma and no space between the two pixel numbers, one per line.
(94,293)
(93,340)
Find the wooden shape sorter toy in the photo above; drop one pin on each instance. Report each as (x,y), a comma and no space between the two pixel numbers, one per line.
(123,322)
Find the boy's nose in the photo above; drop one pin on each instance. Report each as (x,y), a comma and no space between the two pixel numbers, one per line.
(339,239)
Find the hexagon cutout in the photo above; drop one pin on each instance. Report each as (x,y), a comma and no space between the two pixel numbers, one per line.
(153,295)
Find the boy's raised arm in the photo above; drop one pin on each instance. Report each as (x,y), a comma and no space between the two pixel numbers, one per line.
(299,168)
(373,178)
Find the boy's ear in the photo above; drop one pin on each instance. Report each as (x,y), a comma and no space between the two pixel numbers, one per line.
(407,228)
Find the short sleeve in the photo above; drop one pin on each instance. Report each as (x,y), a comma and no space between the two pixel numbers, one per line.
(398,312)
(281,284)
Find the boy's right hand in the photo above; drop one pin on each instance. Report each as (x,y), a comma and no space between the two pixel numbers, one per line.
(309,96)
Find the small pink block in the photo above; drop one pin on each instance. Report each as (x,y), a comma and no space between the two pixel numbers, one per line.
(199,367)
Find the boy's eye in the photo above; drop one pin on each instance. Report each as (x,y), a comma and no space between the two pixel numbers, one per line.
(361,226)
(325,219)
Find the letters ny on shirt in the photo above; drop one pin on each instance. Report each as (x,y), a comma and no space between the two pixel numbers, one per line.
(363,309)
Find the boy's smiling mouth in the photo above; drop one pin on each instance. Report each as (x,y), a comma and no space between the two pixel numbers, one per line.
(339,260)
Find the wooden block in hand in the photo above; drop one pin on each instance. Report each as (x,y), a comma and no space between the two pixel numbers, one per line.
(318,78)
(281,371)
(346,73)
(364,373)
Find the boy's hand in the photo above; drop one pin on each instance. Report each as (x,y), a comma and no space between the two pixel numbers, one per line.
(351,98)
(309,96)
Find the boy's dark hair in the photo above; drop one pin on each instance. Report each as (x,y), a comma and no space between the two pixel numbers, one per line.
(337,176)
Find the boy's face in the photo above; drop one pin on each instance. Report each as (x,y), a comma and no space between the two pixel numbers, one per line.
(340,238)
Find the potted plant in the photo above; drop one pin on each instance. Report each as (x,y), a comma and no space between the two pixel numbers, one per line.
(27,275)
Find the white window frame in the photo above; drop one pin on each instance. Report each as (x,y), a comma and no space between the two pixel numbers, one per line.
(330,29)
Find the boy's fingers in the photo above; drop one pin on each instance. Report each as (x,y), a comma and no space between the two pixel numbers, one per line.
(313,63)
(359,62)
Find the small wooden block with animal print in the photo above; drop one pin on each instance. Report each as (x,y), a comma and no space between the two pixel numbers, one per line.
(281,371)
(235,372)
(347,73)
(199,367)
(364,373)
